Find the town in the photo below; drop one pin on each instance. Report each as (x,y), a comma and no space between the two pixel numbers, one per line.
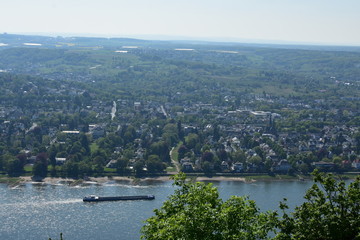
(81,135)
(151,112)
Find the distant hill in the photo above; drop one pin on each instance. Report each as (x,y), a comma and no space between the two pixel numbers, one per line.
(16,40)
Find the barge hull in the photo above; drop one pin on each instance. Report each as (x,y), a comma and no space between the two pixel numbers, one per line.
(120,198)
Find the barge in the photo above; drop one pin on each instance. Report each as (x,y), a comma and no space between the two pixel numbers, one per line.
(93,198)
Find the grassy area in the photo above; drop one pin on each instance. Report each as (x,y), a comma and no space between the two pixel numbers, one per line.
(9,180)
(109,170)
(266,177)
(174,153)
(175,157)
(94,147)
(28,168)
(171,169)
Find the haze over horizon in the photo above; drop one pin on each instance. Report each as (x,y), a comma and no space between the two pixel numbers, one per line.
(328,22)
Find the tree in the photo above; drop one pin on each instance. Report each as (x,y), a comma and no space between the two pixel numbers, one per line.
(207,156)
(85,143)
(99,160)
(1,162)
(357,141)
(71,169)
(22,158)
(259,152)
(241,219)
(39,169)
(170,138)
(161,149)
(208,168)
(12,165)
(255,159)
(154,164)
(75,148)
(40,166)
(121,165)
(216,132)
(191,140)
(195,211)
(182,150)
(238,156)
(139,168)
(84,169)
(52,154)
(180,131)
(331,211)
(129,134)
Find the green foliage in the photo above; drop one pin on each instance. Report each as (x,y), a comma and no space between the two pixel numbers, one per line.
(238,156)
(12,165)
(161,149)
(71,169)
(191,140)
(39,169)
(195,211)
(121,165)
(1,162)
(315,91)
(331,212)
(139,168)
(241,219)
(154,164)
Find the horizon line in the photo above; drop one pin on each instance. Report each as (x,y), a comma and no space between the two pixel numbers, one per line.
(161,37)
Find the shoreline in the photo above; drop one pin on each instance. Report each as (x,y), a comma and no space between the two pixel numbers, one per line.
(129,180)
(135,181)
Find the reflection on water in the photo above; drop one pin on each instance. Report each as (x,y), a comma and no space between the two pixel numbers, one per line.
(40,211)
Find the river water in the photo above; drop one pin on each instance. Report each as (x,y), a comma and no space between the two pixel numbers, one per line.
(39,211)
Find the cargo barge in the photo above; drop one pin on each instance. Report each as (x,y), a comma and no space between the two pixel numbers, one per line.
(93,198)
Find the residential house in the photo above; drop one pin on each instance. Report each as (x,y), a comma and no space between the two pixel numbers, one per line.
(111,164)
(325,166)
(282,166)
(356,164)
(60,161)
(238,167)
(224,166)
(187,167)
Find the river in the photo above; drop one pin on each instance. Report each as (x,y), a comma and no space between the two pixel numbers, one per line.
(40,211)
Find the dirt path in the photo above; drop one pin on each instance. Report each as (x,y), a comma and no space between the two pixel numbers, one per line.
(174,162)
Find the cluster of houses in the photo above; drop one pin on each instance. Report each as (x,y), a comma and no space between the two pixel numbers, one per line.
(234,125)
(331,142)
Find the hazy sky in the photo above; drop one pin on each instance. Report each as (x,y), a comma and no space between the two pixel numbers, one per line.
(311,21)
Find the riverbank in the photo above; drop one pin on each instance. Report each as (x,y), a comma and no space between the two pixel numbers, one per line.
(104,180)
(129,180)
(194,177)
(10,180)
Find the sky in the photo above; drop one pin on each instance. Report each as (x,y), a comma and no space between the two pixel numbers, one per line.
(329,22)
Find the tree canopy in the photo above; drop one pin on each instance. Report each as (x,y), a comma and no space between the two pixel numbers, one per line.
(331,211)
(195,211)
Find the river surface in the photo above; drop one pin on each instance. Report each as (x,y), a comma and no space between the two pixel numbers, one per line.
(39,211)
